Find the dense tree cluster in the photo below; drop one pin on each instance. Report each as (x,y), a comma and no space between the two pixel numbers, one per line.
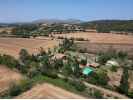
(110,25)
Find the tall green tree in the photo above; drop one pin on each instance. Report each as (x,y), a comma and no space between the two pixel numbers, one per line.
(123,88)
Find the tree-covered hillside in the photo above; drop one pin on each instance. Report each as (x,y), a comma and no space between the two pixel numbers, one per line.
(110,25)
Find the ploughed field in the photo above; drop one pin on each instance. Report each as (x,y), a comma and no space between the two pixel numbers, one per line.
(12,46)
(7,77)
(48,91)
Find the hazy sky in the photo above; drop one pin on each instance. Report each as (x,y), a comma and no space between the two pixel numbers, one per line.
(28,10)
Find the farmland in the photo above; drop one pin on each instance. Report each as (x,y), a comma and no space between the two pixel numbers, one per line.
(48,91)
(5,80)
(12,46)
(96,42)
(100,37)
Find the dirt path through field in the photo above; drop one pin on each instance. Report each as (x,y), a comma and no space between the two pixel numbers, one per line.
(48,91)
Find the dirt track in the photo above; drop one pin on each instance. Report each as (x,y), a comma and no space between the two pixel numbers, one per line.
(48,91)
(7,76)
(12,46)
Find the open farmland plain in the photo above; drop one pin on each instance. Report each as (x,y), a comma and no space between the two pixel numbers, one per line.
(48,91)
(102,41)
(12,46)
(100,37)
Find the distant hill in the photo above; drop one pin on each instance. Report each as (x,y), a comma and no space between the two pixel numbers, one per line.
(52,21)
(110,25)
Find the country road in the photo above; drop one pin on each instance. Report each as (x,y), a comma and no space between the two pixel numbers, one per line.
(101,89)
(106,91)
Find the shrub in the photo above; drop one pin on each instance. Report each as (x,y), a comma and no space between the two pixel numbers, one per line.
(83,50)
(130,94)
(97,94)
(80,39)
(79,86)
(113,69)
(83,61)
(99,78)
(51,74)
(9,61)
(123,88)
(14,89)
(25,84)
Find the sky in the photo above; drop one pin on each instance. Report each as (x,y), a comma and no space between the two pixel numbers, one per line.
(87,10)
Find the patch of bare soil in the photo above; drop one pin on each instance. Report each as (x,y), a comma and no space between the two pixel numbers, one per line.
(115,77)
(7,76)
(48,91)
(12,46)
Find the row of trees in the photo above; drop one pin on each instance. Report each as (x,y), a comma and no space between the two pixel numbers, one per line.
(26,30)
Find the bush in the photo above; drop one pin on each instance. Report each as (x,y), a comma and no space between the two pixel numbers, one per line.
(80,39)
(124,85)
(83,61)
(83,50)
(113,69)
(130,94)
(99,78)
(25,84)
(97,94)
(79,86)
(14,89)
(51,74)
(9,61)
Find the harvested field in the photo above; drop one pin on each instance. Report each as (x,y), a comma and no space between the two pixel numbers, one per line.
(12,46)
(102,41)
(100,37)
(97,47)
(7,76)
(48,91)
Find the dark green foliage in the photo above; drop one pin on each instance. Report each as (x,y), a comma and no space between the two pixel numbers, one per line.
(83,50)
(83,61)
(97,94)
(79,86)
(110,25)
(58,64)
(25,60)
(99,78)
(122,55)
(105,56)
(67,44)
(113,69)
(123,88)
(15,89)
(111,53)
(24,56)
(9,61)
(130,94)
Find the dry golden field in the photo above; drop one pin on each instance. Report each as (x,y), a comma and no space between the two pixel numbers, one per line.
(7,76)
(100,37)
(48,91)
(102,41)
(12,46)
